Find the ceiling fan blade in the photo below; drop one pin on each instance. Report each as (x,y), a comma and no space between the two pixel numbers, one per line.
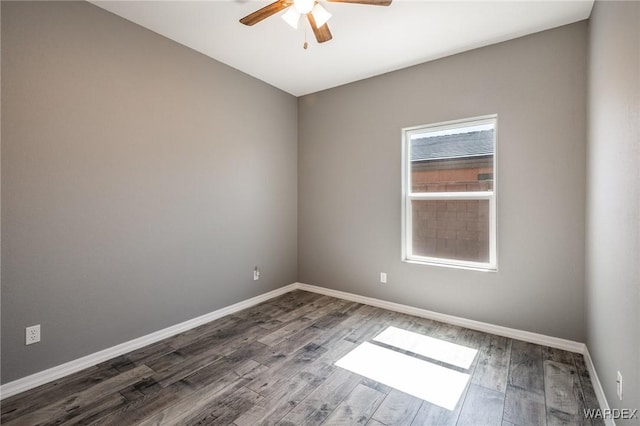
(369,2)
(322,34)
(265,12)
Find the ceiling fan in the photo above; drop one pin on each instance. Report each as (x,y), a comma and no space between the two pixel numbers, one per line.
(316,14)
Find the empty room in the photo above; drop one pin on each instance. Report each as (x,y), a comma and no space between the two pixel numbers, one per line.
(306,212)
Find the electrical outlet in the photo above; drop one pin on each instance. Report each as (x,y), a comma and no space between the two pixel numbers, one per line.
(619,385)
(383,277)
(256,274)
(32,335)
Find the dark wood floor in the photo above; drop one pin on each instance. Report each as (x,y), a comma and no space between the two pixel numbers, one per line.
(274,364)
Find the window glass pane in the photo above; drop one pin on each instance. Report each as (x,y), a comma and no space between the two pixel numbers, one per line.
(456,229)
(453,160)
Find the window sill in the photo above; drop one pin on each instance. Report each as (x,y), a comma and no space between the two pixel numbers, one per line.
(452,265)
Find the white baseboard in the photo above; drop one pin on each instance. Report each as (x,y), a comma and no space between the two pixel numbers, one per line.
(54,373)
(597,386)
(527,336)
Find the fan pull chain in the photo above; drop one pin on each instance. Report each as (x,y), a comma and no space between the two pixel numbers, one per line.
(305,45)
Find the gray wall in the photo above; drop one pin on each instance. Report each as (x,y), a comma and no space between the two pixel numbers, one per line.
(141,182)
(613,202)
(350,182)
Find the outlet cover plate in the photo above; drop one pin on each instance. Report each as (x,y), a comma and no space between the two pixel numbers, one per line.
(32,335)
(619,385)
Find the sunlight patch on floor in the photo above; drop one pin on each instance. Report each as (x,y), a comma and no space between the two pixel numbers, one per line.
(439,385)
(451,353)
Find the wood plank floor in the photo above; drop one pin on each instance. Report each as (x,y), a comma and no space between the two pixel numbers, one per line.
(274,364)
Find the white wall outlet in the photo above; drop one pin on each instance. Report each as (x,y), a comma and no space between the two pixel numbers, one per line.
(383,277)
(32,335)
(619,385)
(256,274)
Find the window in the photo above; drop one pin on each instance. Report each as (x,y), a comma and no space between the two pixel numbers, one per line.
(449,194)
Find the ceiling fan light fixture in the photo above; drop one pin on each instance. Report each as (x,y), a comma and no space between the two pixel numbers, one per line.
(315,14)
(320,14)
(292,17)
(303,6)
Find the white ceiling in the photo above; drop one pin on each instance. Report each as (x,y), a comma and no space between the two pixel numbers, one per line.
(367,40)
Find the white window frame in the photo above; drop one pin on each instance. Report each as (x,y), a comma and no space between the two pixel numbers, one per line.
(408,197)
